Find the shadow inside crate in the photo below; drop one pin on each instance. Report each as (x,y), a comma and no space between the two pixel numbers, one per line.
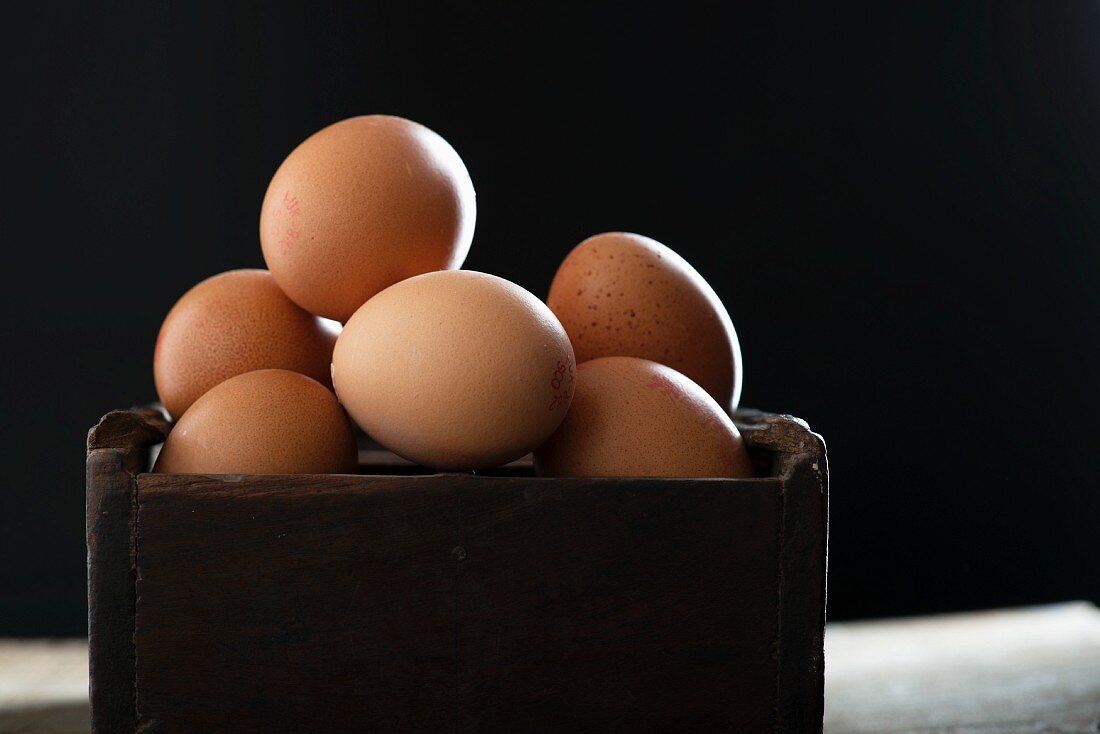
(376,460)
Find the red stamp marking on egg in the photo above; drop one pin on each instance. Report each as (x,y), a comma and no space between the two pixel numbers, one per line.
(663,384)
(290,203)
(292,207)
(709,423)
(561,382)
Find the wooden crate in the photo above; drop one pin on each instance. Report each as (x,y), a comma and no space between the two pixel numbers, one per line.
(497,602)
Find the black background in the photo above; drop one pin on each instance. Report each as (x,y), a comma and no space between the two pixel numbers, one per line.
(897,202)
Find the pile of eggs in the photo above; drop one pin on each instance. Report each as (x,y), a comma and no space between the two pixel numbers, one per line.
(630,368)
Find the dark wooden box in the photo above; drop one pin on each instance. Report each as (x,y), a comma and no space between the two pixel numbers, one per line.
(499,602)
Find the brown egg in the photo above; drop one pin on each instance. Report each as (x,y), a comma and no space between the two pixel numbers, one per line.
(234,323)
(263,422)
(621,294)
(361,205)
(636,418)
(455,370)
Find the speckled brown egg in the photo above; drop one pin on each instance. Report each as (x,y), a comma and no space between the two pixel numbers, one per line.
(622,294)
(262,422)
(455,370)
(636,418)
(233,323)
(361,205)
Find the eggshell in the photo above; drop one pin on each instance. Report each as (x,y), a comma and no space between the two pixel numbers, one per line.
(622,294)
(636,418)
(455,370)
(262,422)
(361,205)
(233,323)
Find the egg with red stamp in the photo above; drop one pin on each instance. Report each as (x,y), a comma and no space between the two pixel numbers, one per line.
(360,205)
(622,294)
(633,417)
(455,370)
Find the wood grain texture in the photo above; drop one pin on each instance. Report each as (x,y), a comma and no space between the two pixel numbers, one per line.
(1001,672)
(641,607)
(110,499)
(446,603)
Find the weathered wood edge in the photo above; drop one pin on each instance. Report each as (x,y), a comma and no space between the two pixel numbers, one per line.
(130,430)
(118,449)
(800,461)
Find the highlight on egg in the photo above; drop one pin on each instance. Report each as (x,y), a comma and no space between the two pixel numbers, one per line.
(455,370)
(232,323)
(622,294)
(633,417)
(361,205)
(262,422)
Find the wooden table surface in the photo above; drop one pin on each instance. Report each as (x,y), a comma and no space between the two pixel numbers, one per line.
(1015,671)
(1026,670)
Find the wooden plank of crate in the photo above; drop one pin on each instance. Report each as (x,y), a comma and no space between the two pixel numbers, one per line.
(353,603)
(320,602)
(110,590)
(797,456)
(637,604)
(117,451)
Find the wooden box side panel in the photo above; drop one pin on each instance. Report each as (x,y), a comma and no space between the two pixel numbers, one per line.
(784,447)
(118,449)
(800,460)
(269,607)
(635,605)
(110,491)
(456,602)
(805,558)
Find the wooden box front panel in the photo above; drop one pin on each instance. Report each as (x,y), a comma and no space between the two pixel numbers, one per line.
(456,603)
